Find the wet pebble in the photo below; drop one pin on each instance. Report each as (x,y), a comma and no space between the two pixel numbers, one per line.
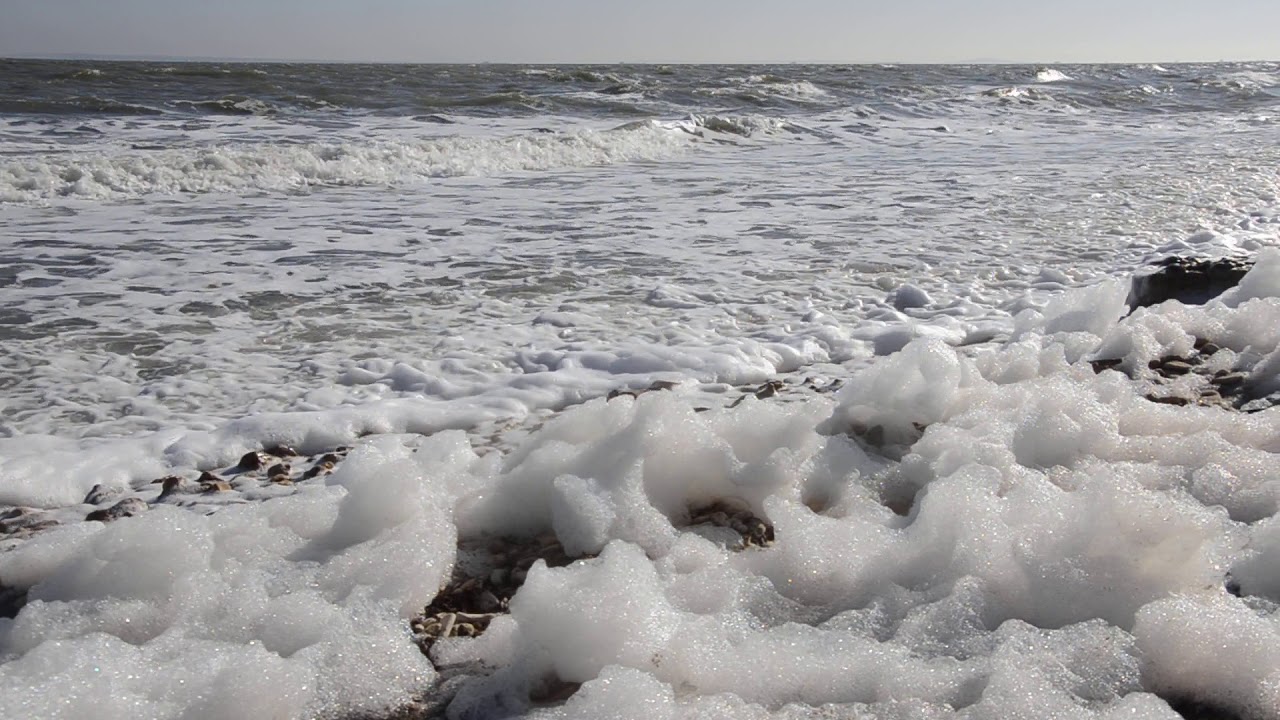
(101,493)
(125,508)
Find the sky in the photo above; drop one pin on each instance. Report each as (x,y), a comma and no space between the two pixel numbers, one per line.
(609,31)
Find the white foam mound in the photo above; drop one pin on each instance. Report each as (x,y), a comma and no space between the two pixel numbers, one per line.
(1057,547)
(289,608)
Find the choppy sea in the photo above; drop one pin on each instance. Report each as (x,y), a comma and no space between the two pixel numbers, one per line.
(457,270)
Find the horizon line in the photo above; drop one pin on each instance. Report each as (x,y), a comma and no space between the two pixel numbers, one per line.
(108,57)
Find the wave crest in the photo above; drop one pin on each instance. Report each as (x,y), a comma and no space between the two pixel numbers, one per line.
(305,166)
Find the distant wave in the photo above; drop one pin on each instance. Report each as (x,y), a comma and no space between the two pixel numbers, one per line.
(1048,75)
(764,88)
(74,106)
(203,71)
(297,168)
(231,105)
(740,125)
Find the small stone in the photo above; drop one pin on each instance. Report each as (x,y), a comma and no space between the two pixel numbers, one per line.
(1106,364)
(278,469)
(875,436)
(447,622)
(768,389)
(100,494)
(488,602)
(12,599)
(330,458)
(18,520)
(1258,405)
(1169,400)
(127,507)
(216,486)
(1176,367)
(1193,281)
(281,451)
(1228,379)
(207,477)
(251,461)
(1209,348)
(281,480)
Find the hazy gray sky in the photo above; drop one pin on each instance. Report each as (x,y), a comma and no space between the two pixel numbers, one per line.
(652,31)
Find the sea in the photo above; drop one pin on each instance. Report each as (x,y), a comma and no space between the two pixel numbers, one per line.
(863,304)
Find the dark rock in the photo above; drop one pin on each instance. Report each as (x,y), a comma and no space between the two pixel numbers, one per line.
(768,389)
(1175,367)
(874,435)
(318,469)
(1232,586)
(281,451)
(1169,400)
(216,486)
(1226,379)
(12,599)
(100,494)
(251,461)
(278,469)
(127,507)
(207,477)
(1192,281)
(1193,709)
(172,485)
(20,518)
(1106,364)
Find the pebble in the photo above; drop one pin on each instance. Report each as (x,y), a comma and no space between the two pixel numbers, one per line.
(101,493)
(1228,379)
(127,507)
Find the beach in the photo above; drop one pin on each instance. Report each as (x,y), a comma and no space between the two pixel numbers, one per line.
(788,391)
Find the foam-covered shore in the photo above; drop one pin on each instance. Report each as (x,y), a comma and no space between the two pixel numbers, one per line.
(1023,536)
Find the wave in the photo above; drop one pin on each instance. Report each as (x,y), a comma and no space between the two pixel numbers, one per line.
(230,105)
(1246,83)
(74,106)
(206,71)
(302,167)
(765,88)
(739,125)
(1049,75)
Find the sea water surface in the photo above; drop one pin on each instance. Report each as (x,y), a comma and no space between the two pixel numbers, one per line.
(430,262)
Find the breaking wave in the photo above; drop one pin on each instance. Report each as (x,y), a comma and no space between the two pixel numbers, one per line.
(306,166)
